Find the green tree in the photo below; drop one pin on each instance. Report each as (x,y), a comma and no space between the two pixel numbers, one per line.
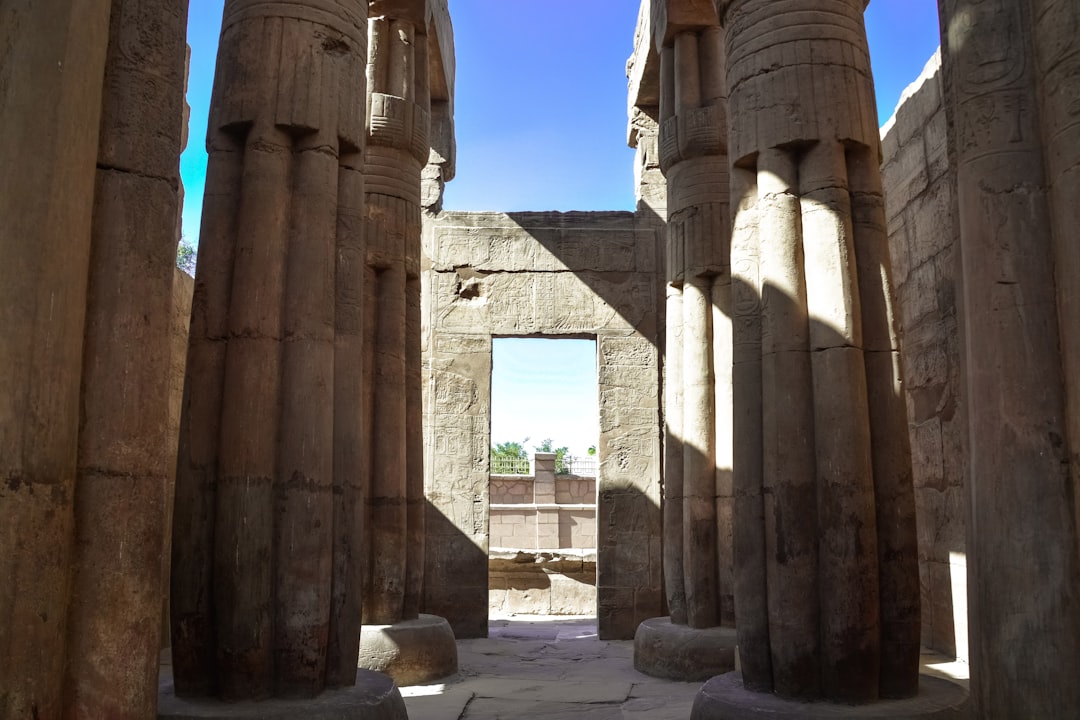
(186,257)
(562,457)
(512,450)
(510,458)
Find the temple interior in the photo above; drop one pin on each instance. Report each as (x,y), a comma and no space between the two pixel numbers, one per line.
(836,420)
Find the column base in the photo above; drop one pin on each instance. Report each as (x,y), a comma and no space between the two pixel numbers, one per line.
(677,652)
(374,697)
(725,698)
(410,652)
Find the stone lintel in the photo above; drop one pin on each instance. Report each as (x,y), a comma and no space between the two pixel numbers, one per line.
(671,17)
(442,71)
(415,11)
(642,71)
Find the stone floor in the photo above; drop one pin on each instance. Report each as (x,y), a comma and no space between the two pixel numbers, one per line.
(551,668)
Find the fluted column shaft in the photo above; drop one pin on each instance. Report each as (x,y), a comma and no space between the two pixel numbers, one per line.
(697,470)
(266,594)
(398,149)
(823,470)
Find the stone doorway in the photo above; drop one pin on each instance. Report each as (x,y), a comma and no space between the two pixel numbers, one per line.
(543,477)
(554,275)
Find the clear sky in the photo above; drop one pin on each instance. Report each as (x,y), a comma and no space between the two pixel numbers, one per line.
(541,125)
(541,97)
(545,389)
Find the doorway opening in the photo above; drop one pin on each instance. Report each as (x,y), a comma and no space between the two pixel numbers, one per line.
(543,480)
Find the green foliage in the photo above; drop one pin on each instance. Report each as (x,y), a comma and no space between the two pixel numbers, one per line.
(186,257)
(562,459)
(513,450)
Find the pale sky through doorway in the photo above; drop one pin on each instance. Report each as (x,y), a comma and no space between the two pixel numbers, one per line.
(544,388)
(541,125)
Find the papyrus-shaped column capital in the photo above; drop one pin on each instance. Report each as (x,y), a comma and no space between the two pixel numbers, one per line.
(293,65)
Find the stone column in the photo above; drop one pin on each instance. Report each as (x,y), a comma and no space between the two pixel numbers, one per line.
(266,589)
(827,587)
(88,196)
(1012,72)
(697,641)
(399,107)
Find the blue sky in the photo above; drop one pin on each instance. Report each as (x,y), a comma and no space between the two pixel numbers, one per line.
(541,97)
(541,125)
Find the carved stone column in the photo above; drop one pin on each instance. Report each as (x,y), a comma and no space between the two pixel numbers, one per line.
(91,106)
(1012,73)
(398,639)
(266,591)
(826,586)
(698,640)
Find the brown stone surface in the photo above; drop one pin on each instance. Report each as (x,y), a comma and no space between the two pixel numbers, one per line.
(372,696)
(126,454)
(675,651)
(1011,71)
(266,596)
(91,104)
(573,274)
(404,37)
(43,305)
(296,318)
(183,287)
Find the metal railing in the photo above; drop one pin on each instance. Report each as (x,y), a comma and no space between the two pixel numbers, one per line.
(510,466)
(582,467)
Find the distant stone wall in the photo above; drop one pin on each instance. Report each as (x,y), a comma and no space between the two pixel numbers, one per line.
(543,512)
(542,274)
(547,583)
(574,489)
(921,207)
(506,489)
(183,288)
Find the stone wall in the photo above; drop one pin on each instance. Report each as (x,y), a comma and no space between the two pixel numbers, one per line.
(183,287)
(548,583)
(507,489)
(920,199)
(542,512)
(542,274)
